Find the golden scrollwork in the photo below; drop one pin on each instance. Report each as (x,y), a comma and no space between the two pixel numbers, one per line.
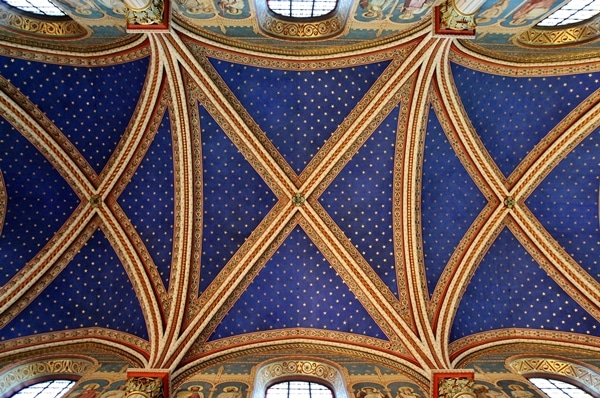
(305,368)
(556,37)
(65,28)
(557,366)
(32,370)
(455,387)
(303,30)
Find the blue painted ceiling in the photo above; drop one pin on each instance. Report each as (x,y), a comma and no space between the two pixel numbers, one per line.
(241,198)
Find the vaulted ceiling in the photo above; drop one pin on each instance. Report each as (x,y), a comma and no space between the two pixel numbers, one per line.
(182,195)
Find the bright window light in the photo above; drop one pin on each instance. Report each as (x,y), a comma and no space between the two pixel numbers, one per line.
(298,389)
(46,389)
(558,389)
(302,8)
(573,12)
(39,7)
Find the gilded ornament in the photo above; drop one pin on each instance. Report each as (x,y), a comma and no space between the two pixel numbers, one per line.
(557,366)
(298,199)
(455,387)
(31,26)
(144,387)
(509,202)
(452,19)
(151,15)
(23,373)
(543,37)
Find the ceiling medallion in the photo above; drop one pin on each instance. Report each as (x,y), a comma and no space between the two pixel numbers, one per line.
(510,202)
(298,199)
(95,201)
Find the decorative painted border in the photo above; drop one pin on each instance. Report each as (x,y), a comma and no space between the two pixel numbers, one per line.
(556,366)
(271,372)
(55,367)
(571,34)
(58,27)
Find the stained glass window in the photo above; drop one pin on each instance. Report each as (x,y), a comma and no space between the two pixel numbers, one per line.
(298,389)
(558,389)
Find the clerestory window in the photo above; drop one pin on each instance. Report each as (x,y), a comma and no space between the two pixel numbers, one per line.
(299,389)
(573,12)
(46,389)
(38,7)
(558,389)
(302,8)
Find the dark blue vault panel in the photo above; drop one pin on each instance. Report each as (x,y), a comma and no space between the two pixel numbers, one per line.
(566,203)
(39,201)
(510,290)
(298,110)
(297,288)
(92,291)
(359,200)
(148,200)
(91,106)
(236,199)
(512,114)
(450,201)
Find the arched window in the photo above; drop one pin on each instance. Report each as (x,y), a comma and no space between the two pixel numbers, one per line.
(302,8)
(38,7)
(573,12)
(299,389)
(46,389)
(558,389)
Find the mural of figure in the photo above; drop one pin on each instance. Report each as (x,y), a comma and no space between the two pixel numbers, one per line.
(412,7)
(482,391)
(81,7)
(89,390)
(230,392)
(232,7)
(193,391)
(493,12)
(532,9)
(119,392)
(369,392)
(116,6)
(407,392)
(517,391)
(195,7)
(374,8)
